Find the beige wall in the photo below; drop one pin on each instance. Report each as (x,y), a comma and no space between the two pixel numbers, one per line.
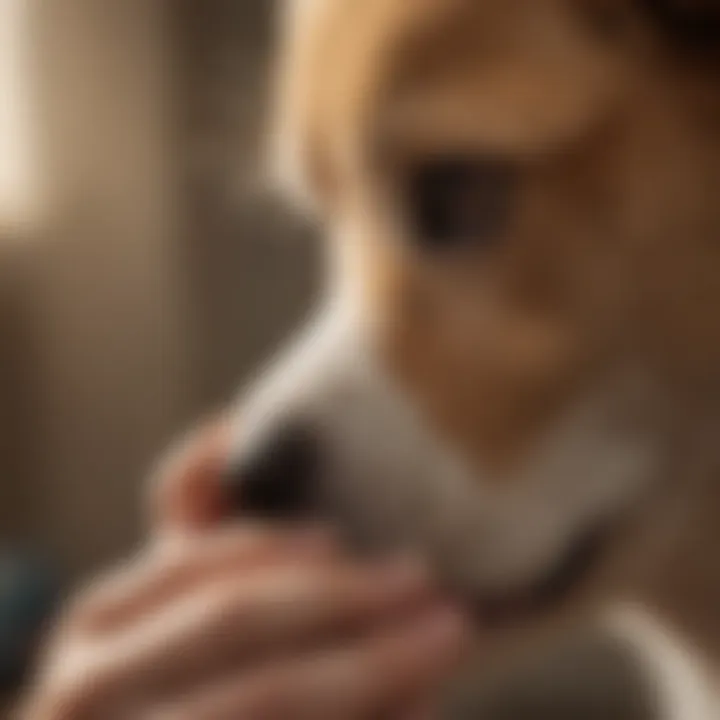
(99,378)
(161,280)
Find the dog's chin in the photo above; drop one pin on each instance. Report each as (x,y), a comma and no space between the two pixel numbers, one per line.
(552,589)
(522,603)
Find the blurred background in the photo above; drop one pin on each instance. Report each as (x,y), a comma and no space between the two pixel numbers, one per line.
(144,268)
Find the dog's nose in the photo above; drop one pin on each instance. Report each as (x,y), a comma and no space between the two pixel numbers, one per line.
(276,479)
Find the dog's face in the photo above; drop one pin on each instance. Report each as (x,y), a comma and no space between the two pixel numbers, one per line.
(524,261)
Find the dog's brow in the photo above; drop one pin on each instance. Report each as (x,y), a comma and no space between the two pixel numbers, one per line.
(439,76)
(519,105)
(515,77)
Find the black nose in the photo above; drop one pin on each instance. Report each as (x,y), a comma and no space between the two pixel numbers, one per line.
(277,478)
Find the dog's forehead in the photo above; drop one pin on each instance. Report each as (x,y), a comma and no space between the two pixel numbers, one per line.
(502,74)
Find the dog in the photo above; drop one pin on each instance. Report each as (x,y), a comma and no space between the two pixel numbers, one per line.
(514,370)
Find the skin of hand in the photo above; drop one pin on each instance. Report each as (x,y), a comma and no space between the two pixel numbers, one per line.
(215,621)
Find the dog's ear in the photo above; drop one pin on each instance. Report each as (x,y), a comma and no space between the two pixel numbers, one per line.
(692,24)
(298,162)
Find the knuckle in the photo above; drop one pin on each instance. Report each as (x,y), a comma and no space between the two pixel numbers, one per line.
(81,610)
(273,700)
(69,701)
(336,581)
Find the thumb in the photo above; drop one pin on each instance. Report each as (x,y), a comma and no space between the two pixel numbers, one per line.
(186,492)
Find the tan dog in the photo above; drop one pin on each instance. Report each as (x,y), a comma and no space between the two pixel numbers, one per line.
(516,370)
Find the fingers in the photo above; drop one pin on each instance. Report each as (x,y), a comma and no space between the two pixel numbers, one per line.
(229,622)
(186,493)
(420,711)
(181,564)
(411,663)
(420,706)
(358,683)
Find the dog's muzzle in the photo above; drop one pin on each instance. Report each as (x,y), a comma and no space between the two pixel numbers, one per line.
(278,478)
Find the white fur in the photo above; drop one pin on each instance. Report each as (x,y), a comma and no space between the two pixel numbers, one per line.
(393,481)
(683,690)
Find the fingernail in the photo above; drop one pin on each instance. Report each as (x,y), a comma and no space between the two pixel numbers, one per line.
(425,713)
(405,574)
(444,629)
(315,539)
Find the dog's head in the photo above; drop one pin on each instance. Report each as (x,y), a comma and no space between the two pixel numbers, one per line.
(524,266)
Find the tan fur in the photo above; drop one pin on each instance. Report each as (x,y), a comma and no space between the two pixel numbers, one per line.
(612,259)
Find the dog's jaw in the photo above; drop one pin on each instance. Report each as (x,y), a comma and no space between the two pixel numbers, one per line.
(393,483)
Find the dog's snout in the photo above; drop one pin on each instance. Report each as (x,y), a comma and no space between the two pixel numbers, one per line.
(277,479)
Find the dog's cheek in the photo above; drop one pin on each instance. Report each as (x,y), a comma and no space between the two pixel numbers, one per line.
(485,378)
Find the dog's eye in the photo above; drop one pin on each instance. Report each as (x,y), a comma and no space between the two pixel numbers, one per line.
(461,201)
(694,23)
